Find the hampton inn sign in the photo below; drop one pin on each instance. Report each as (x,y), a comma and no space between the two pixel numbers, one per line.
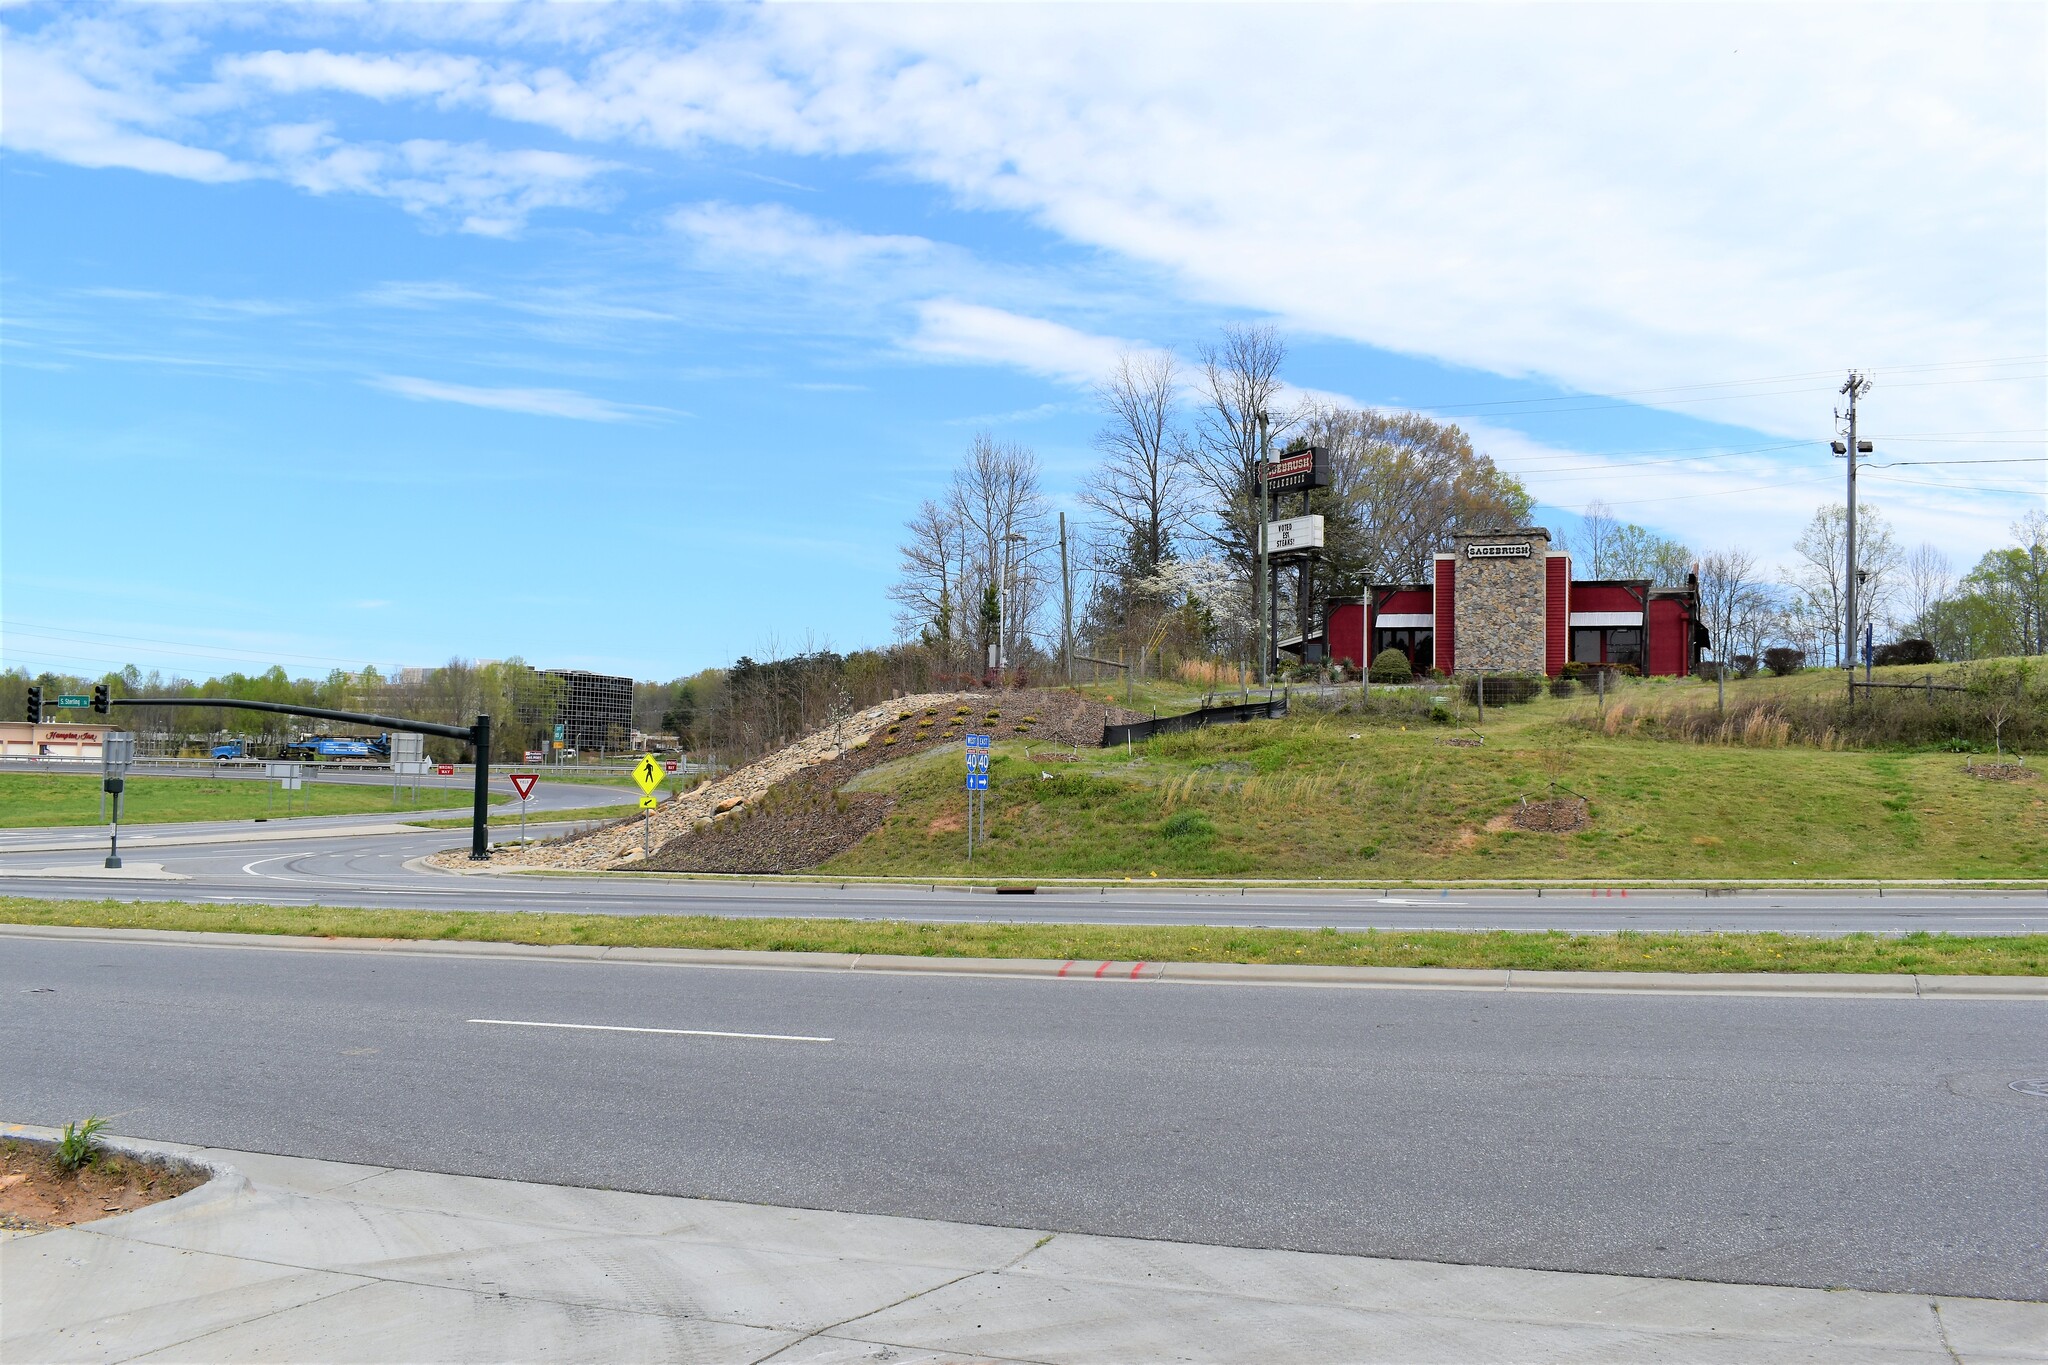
(1504,601)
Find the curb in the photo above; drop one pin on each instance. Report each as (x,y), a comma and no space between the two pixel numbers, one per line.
(1857,985)
(222,1180)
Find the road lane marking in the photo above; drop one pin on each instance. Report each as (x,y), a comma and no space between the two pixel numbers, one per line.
(684,1032)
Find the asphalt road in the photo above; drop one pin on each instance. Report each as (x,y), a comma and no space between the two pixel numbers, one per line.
(1850,1142)
(363,868)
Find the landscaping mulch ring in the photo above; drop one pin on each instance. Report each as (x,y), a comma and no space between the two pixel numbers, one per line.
(1564,815)
(37,1195)
(2000,772)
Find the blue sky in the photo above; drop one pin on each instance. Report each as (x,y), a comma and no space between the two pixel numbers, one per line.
(626,337)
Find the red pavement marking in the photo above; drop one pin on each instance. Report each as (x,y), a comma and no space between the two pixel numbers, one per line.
(1063,971)
(1135,970)
(1103,968)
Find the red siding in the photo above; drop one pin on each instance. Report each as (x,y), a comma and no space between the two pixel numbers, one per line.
(1347,634)
(1446,634)
(1408,602)
(1604,597)
(1670,637)
(1557,609)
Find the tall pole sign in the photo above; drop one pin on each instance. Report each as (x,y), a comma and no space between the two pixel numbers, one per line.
(977,747)
(647,774)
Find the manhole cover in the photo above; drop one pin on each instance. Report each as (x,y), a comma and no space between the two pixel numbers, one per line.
(2038,1089)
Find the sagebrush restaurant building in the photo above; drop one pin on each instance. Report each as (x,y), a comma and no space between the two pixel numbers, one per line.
(1503,601)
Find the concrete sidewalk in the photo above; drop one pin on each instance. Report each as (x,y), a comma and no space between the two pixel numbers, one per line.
(282,1259)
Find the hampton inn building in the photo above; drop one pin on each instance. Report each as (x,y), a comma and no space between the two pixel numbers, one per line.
(1504,601)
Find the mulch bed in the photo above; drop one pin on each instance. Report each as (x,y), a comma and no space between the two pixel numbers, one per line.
(2000,772)
(1565,815)
(36,1195)
(807,820)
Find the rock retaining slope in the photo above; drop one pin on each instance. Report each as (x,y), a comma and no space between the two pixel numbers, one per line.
(888,730)
(622,843)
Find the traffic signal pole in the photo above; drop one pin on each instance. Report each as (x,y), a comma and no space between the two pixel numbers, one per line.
(477,736)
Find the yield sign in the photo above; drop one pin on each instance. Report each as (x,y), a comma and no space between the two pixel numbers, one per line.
(523,783)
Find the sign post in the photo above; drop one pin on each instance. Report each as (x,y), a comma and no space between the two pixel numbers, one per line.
(977,783)
(647,774)
(117,753)
(523,784)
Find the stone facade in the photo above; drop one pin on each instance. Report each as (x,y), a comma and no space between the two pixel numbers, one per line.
(1500,600)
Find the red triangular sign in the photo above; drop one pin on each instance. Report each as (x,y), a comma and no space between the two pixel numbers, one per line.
(523,783)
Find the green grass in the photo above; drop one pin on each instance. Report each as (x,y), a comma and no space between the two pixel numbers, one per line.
(1357,797)
(36,800)
(1942,954)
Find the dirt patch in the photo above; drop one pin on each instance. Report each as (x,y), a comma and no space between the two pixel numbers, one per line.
(806,818)
(947,824)
(2000,772)
(1565,815)
(1457,743)
(36,1195)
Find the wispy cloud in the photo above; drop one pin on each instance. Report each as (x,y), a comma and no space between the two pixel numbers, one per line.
(568,403)
(772,234)
(954,330)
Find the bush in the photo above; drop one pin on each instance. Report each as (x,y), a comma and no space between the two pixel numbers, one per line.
(80,1143)
(1745,665)
(1783,660)
(1577,670)
(1392,666)
(1903,652)
(1562,687)
(1501,688)
(1440,710)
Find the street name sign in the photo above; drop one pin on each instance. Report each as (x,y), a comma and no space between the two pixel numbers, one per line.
(523,784)
(74,699)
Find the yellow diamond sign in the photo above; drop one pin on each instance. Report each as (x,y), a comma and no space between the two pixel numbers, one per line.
(649,802)
(648,773)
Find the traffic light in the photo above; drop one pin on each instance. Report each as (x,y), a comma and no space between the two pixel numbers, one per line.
(35,705)
(102,699)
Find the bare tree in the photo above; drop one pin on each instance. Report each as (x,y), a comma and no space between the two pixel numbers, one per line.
(931,577)
(1929,579)
(1142,485)
(1593,544)
(1239,380)
(1729,592)
(1822,576)
(997,500)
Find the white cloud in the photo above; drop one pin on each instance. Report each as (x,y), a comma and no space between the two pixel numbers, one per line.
(49,107)
(405,75)
(480,189)
(954,330)
(533,402)
(774,235)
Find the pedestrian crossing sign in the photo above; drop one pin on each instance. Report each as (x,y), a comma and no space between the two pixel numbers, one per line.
(648,773)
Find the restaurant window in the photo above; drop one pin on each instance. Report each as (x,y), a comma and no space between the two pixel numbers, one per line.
(1418,643)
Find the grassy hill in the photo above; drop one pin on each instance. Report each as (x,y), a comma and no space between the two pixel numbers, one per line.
(1381,796)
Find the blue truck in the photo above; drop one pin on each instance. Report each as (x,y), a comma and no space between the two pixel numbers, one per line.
(380,747)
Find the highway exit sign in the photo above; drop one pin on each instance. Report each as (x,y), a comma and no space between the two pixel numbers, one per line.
(74,699)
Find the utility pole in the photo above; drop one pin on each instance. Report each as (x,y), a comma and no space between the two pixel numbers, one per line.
(1262,598)
(1066,605)
(1856,385)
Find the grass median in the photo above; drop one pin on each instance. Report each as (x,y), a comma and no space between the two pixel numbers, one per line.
(1933,954)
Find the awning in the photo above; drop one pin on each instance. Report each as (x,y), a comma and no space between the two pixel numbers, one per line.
(1607,618)
(1403,620)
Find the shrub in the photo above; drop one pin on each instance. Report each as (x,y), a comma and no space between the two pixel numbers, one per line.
(1562,687)
(1501,688)
(1783,660)
(1903,652)
(1440,710)
(1578,671)
(1392,666)
(1628,671)
(1745,665)
(80,1143)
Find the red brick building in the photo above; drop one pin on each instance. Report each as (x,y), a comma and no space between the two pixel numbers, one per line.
(1503,601)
